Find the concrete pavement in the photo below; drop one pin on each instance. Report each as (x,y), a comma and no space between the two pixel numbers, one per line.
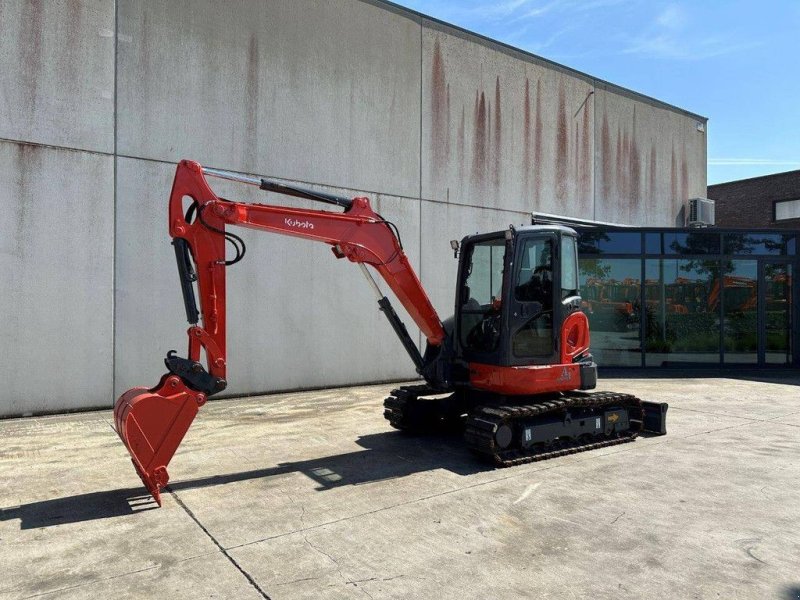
(312,495)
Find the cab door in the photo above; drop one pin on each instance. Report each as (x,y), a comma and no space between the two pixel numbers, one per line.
(482,284)
(533,316)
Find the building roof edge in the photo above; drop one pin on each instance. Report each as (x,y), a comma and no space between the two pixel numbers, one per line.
(530,57)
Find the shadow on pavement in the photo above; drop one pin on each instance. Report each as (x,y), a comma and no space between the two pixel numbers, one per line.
(84,507)
(387,455)
(792,592)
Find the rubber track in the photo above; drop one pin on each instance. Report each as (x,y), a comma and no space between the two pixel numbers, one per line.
(483,422)
(399,412)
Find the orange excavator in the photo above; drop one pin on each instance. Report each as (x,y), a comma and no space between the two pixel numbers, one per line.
(509,368)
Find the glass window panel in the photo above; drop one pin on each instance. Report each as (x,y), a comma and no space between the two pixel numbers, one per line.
(535,277)
(681,311)
(778,313)
(787,209)
(535,270)
(610,294)
(740,312)
(569,267)
(691,242)
(610,242)
(652,243)
(480,314)
(759,244)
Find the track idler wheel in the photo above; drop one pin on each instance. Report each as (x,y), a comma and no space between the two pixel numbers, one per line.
(152,423)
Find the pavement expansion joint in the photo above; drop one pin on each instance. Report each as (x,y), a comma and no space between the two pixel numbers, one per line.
(222,549)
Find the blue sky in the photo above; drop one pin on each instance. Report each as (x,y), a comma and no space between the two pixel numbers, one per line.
(735,62)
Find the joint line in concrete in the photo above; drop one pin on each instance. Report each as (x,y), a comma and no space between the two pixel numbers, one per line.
(222,549)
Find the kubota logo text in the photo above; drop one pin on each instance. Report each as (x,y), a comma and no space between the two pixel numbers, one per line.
(299,224)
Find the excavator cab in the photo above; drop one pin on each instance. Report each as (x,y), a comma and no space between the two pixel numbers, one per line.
(516,288)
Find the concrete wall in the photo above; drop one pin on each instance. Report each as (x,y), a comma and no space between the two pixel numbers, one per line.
(448,133)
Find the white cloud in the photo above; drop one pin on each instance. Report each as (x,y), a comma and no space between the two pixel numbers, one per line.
(513,10)
(672,17)
(685,47)
(673,35)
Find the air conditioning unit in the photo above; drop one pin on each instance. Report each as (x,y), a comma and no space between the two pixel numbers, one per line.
(701,212)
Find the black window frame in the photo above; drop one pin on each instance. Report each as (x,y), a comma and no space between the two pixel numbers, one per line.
(791,254)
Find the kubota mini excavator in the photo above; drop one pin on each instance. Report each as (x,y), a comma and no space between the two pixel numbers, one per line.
(509,363)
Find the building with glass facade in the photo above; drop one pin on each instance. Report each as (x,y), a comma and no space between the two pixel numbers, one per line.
(690,297)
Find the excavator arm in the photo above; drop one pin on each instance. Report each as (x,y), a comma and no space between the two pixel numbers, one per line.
(152,422)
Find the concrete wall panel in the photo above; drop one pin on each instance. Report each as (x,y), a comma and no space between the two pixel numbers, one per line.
(451,134)
(56,244)
(444,222)
(57,72)
(502,132)
(649,162)
(297,316)
(324,90)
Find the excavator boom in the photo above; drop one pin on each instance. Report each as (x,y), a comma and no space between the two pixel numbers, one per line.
(152,422)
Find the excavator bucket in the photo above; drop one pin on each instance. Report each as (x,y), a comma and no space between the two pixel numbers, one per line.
(152,423)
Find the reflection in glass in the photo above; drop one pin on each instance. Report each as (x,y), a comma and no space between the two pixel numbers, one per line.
(652,243)
(740,311)
(610,242)
(757,244)
(777,313)
(722,295)
(535,277)
(681,311)
(480,311)
(610,292)
(691,242)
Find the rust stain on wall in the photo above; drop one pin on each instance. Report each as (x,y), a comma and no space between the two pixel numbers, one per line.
(619,171)
(673,176)
(251,97)
(606,162)
(28,163)
(32,32)
(562,146)
(497,135)
(576,161)
(635,191)
(626,168)
(447,126)
(488,136)
(526,156)
(460,143)
(586,159)
(479,140)
(74,29)
(537,144)
(653,167)
(684,178)
(439,93)
(145,65)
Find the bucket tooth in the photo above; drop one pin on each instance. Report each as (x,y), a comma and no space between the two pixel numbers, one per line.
(151,423)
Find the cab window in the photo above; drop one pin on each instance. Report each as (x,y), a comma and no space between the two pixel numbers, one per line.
(535,272)
(480,308)
(534,279)
(569,267)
